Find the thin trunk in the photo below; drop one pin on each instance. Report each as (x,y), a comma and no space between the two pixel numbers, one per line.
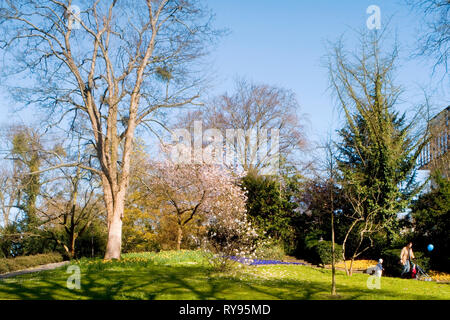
(333,258)
(344,245)
(73,237)
(343,257)
(351,266)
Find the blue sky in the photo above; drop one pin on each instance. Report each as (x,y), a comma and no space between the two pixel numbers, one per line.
(282,43)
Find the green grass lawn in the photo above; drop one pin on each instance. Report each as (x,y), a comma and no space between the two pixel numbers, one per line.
(186,275)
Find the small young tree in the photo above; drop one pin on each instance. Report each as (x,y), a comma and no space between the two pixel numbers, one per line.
(71,207)
(71,196)
(330,169)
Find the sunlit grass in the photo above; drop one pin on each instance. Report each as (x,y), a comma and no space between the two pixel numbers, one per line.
(187,275)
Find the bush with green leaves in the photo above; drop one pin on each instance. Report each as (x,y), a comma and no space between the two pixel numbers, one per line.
(391,262)
(269,210)
(324,251)
(92,243)
(320,251)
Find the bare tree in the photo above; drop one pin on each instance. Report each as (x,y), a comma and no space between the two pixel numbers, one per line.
(73,208)
(435,40)
(184,190)
(71,199)
(111,64)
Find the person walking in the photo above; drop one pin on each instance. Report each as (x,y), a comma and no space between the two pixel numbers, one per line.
(405,258)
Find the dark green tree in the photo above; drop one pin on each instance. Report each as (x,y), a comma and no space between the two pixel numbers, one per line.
(271,204)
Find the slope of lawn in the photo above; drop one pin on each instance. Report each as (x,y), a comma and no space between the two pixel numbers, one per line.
(186,275)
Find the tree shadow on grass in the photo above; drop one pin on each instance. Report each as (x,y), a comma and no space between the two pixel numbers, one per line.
(175,282)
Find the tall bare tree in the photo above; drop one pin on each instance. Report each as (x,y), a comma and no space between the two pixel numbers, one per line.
(256,109)
(111,64)
(71,198)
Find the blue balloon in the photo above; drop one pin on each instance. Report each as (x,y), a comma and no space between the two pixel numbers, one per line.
(430,247)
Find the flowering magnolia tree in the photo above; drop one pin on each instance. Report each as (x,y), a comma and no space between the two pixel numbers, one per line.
(229,235)
(209,195)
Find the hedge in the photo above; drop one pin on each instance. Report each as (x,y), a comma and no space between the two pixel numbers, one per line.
(24,262)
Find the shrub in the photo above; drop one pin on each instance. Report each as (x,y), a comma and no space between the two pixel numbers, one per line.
(92,243)
(10,241)
(422,260)
(431,221)
(269,211)
(391,262)
(270,250)
(324,251)
(226,238)
(24,262)
(321,251)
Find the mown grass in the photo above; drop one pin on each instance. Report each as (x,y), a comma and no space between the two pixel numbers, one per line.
(187,275)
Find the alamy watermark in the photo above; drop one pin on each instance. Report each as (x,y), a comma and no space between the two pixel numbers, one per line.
(374,20)
(74,280)
(234,147)
(374,282)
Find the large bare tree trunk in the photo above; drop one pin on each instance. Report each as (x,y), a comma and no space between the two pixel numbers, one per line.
(115,210)
(114,244)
